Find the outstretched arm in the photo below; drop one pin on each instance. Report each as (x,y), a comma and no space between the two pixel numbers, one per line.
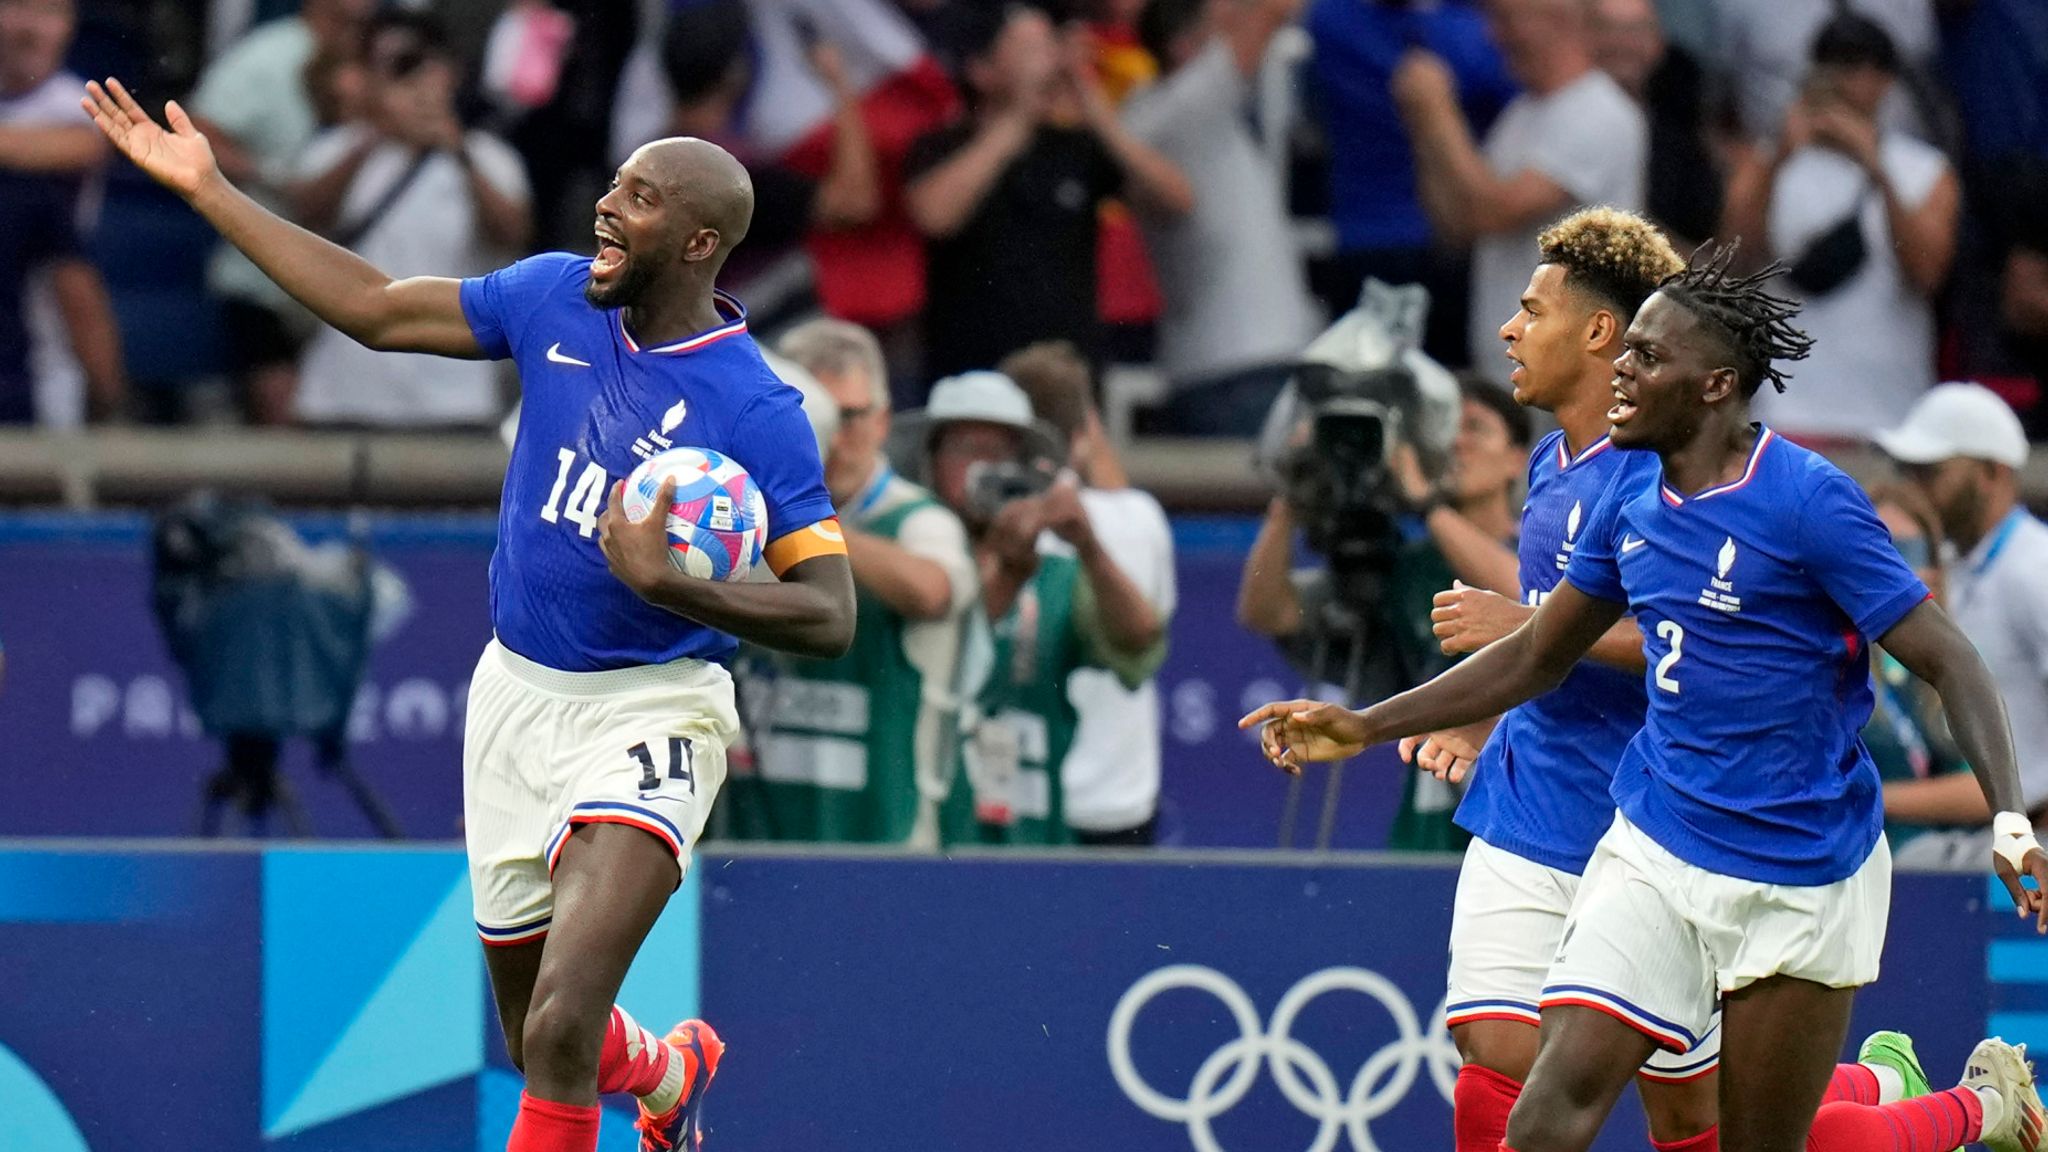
(1468,619)
(808,612)
(419,314)
(1930,645)
(1527,663)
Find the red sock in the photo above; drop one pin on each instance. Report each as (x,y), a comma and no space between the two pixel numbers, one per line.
(1480,1107)
(1941,1122)
(1852,1084)
(1708,1141)
(545,1126)
(632,1059)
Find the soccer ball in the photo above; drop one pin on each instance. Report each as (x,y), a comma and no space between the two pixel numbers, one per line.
(718,524)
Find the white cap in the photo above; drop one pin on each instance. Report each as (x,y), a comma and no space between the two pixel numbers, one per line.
(1958,420)
(979,397)
(986,397)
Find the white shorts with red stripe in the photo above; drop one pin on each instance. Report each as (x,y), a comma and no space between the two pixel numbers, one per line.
(546,751)
(1509,915)
(1656,942)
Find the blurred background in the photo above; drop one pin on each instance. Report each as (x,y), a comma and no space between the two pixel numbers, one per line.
(242,561)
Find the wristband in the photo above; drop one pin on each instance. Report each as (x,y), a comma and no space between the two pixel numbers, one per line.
(2012,837)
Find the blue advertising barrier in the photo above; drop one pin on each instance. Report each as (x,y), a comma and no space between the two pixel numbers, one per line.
(238,1000)
(100,741)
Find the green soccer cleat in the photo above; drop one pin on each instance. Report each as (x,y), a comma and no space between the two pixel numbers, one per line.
(1894,1050)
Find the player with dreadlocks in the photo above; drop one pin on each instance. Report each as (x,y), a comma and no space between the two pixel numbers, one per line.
(1746,865)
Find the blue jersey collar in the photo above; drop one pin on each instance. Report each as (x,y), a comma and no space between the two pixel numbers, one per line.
(1565,459)
(728,306)
(1764,437)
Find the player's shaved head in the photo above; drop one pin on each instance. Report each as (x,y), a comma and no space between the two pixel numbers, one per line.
(676,209)
(707,182)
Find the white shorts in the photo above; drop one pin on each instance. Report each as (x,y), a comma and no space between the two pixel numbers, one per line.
(1655,942)
(544,751)
(1505,926)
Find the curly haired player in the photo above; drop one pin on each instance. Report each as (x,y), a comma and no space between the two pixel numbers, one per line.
(1540,799)
(1745,867)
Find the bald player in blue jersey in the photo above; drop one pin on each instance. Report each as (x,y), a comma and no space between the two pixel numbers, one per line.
(599,714)
(1745,866)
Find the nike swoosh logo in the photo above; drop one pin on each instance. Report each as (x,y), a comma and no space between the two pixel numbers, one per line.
(1631,545)
(556,355)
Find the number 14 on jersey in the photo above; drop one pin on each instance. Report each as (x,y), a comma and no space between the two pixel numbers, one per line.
(586,500)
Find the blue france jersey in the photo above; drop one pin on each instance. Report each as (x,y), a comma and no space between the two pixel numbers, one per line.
(1758,600)
(1542,788)
(595,405)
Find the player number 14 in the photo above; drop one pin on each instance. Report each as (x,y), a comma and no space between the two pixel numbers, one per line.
(1671,632)
(584,500)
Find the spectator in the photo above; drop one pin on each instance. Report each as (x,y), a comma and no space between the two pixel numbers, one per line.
(1572,138)
(1047,614)
(1963,449)
(1865,218)
(864,748)
(1238,311)
(834,136)
(254,107)
(710,73)
(415,193)
(1907,735)
(49,144)
(1995,54)
(1382,230)
(1766,47)
(1111,771)
(1038,153)
(1366,640)
(1679,191)
(2023,285)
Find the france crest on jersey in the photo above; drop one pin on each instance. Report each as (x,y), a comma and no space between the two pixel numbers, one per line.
(595,404)
(1543,786)
(1758,600)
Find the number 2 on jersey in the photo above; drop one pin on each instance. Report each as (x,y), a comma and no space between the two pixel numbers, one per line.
(584,500)
(1670,631)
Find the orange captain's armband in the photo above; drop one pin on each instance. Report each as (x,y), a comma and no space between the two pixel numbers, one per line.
(821,539)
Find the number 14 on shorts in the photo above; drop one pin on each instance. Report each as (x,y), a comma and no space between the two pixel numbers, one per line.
(679,762)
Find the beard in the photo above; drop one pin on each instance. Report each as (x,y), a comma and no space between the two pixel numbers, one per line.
(625,290)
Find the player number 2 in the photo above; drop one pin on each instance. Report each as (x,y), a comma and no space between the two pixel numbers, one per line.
(680,757)
(584,499)
(1670,631)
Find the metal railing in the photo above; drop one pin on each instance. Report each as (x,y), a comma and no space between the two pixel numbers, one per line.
(149,467)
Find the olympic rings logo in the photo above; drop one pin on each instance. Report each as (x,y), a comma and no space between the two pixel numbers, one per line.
(1304,1077)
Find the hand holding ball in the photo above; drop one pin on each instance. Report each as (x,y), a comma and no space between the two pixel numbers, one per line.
(717,521)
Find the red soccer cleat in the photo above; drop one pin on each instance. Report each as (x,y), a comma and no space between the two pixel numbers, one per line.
(697,1045)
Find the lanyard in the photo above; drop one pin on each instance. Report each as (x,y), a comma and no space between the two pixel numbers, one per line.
(1898,709)
(872,495)
(1999,540)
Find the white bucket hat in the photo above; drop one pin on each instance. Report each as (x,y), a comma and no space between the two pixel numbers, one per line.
(977,398)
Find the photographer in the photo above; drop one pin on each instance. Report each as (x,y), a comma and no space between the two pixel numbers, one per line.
(1047,613)
(412,189)
(1111,773)
(1359,622)
(863,748)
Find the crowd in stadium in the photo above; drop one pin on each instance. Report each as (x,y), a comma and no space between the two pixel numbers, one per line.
(1201,184)
(970,216)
